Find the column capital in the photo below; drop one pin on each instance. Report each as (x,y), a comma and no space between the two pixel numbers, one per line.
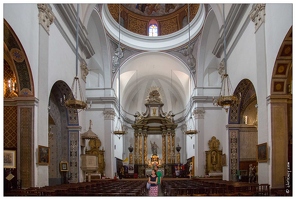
(46,16)
(257,15)
(199,113)
(109,114)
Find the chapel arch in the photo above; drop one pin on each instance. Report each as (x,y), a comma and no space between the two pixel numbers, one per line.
(63,135)
(242,129)
(19,103)
(280,100)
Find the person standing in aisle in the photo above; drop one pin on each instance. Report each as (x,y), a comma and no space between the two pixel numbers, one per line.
(159,179)
(153,191)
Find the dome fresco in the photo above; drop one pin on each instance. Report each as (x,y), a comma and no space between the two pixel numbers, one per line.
(153,9)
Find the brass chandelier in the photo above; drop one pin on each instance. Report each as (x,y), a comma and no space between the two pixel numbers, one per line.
(73,102)
(226,97)
(117,131)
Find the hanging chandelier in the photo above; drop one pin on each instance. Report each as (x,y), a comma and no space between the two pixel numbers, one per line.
(73,102)
(119,133)
(191,132)
(226,98)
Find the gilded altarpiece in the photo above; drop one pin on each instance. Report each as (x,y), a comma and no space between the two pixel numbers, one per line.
(143,128)
(214,157)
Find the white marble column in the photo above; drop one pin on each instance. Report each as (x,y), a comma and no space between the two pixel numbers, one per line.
(109,115)
(46,18)
(257,15)
(199,142)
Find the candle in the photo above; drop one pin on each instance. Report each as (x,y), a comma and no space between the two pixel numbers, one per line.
(246,119)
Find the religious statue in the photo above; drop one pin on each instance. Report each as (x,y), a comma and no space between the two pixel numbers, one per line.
(252,173)
(154,148)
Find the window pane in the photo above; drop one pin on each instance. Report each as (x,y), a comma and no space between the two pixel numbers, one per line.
(153,30)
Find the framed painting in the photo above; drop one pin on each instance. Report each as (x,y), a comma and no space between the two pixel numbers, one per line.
(64,166)
(9,159)
(262,152)
(43,155)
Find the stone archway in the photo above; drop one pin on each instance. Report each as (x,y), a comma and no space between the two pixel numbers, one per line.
(281,114)
(19,106)
(64,135)
(243,137)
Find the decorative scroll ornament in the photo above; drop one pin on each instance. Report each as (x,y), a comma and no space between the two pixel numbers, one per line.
(154,96)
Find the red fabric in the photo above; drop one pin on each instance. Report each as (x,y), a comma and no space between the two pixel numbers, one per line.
(153,191)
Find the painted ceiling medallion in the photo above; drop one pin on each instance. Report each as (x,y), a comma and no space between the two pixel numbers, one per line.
(17,55)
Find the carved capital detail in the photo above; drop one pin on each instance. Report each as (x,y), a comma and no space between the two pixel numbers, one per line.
(199,113)
(109,114)
(84,70)
(221,68)
(257,15)
(46,16)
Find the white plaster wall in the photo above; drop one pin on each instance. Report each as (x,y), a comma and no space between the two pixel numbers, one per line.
(190,146)
(241,63)
(219,118)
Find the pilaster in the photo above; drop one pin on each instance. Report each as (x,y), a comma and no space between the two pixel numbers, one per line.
(109,115)
(199,160)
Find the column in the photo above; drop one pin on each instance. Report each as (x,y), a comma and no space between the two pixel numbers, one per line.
(46,18)
(169,147)
(145,147)
(164,147)
(281,115)
(136,146)
(173,146)
(141,148)
(109,115)
(199,165)
(257,15)
(74,151)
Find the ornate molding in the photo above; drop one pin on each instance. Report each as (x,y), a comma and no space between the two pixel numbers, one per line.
(199,113)
(46,16)
(84,70)
(109,114)
(257,15)
(221,68)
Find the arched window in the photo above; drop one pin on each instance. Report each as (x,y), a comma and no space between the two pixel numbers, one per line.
(153,28)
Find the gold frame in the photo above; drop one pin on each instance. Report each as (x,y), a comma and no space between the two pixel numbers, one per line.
(9,159)
(262,152)
(43,155)
(64,167)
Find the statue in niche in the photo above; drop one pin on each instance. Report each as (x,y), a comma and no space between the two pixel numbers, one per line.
(154,148)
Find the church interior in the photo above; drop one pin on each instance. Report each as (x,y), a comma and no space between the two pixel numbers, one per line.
(95,96)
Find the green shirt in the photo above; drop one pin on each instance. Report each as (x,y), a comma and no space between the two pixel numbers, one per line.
(159,175)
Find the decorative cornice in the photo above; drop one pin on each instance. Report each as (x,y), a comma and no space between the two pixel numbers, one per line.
(84,70)
(46,16)
(235,15)
(109,114)
(68,14)
(257,15)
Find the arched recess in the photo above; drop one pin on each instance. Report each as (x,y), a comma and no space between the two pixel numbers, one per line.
(281,113)
(63,135)
(19,103)
(243,134)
